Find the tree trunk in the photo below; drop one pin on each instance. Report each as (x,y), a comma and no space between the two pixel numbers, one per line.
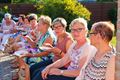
(117,63)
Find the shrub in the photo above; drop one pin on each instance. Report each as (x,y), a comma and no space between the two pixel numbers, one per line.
(68,9)
(3,11)
(112,15)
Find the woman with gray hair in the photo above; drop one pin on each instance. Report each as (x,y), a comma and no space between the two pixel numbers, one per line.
(76,55)
(8,27)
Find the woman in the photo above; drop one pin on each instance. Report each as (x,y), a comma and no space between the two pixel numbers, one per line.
(63,42)
(20,22)
(102,65)
(76,55)
(8,27)
(42,36)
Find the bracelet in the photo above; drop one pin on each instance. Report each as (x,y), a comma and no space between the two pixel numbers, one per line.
(60,52)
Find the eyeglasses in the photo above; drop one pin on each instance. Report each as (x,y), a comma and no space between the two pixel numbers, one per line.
(94,33)
(77,30)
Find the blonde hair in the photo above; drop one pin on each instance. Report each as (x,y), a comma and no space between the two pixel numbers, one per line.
(45,19)
(81,21)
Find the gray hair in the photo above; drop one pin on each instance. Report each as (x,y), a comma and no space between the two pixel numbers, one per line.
(81,21)
(7,15)
(45,19)
(61,20)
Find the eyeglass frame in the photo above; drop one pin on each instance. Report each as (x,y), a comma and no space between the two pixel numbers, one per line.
(76,30)
(94,33)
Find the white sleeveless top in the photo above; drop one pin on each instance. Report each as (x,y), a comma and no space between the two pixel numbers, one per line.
(77,54)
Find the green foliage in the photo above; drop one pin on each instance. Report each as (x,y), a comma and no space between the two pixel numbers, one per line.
(113,41)
(112,14)
(68,9)
(24,1)
(3,10)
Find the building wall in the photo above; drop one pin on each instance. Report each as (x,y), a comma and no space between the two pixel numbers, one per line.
(99,10)
(17,9)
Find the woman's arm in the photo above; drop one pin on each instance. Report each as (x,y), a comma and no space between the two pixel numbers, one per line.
(110,73)
(68,44)
(48,40)
(35,55)
(69,73)
(59,63)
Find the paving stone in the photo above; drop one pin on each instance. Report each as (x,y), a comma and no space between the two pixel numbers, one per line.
(5,67)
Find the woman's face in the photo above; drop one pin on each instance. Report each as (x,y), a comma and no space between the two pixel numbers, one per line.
(58,28)
(78,31)
(20,19)
(26,21)
(93,37)
(42,25)
(7,19)
(33,22)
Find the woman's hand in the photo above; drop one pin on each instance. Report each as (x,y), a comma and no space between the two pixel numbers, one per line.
(55,51)
(48,45)
(45,72)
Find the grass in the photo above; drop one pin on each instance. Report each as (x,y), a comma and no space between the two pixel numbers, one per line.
(113,42)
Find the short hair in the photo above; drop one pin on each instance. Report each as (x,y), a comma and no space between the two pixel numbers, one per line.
(61,20)
(32,17)
(81,21)
(106,29)
(7,15)
(45,19)
(22,16)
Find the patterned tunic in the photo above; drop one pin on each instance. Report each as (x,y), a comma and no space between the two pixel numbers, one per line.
(77,54)
(96,70)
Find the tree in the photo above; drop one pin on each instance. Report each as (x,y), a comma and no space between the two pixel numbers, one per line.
(24,1)
(68,9)
(117,62)
(3,10)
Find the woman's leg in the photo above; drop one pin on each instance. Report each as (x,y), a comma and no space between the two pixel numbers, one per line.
(38,76)
(55,77)
(37,66)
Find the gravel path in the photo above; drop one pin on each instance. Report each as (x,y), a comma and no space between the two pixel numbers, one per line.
(6,71)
